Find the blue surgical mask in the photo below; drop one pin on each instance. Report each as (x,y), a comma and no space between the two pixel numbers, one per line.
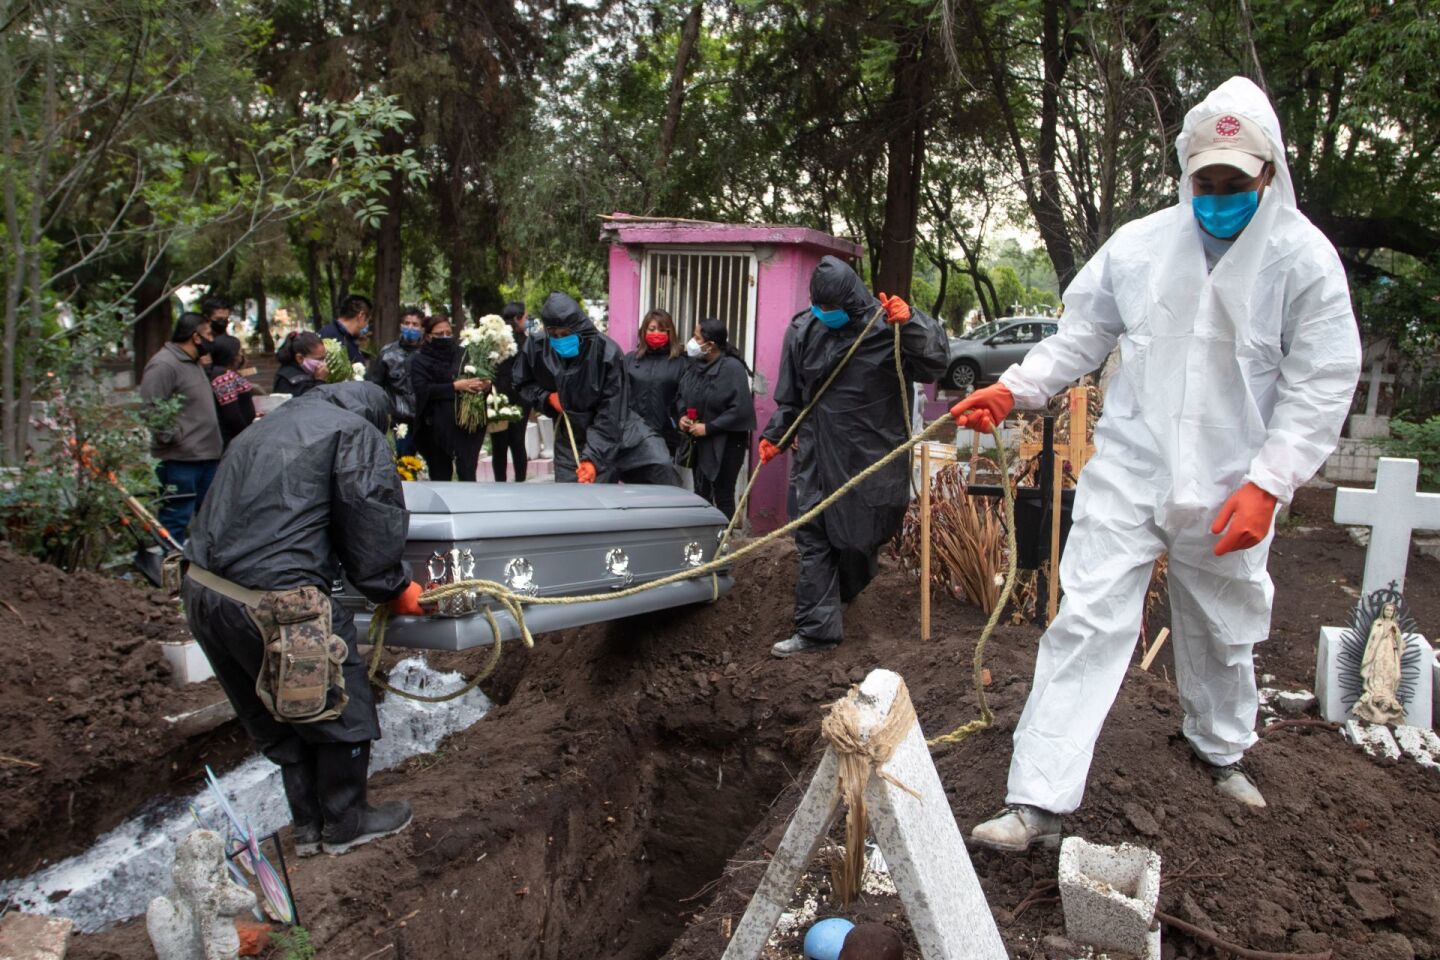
(410,334)
(1225,215)
(566,347)
(834,319)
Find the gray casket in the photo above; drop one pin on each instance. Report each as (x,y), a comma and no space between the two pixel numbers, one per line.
(548,540)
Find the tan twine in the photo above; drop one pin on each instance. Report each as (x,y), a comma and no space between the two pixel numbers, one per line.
(861,757)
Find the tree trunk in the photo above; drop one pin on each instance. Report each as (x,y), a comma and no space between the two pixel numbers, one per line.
(906,160)
(689,35)
(262,320)
(156,313)
(312,281)
(388,255)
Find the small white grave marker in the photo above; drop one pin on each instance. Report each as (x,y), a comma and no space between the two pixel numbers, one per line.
(921,844)
(1393,509)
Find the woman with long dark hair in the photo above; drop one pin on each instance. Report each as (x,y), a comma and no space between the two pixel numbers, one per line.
(448,448)
(302,363)
(717,410)
(654,370)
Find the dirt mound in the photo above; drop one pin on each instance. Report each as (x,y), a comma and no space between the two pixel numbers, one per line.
(622,798)
(84,696)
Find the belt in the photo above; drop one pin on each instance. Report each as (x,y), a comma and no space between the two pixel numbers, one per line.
(226,588)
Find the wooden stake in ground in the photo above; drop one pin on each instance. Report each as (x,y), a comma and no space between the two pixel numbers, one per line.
(1057,484)
(1154,649)
(924,541)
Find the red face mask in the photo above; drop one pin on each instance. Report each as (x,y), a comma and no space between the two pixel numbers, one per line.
(657,339)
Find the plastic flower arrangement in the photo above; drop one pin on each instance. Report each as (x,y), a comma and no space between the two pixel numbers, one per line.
(485,344)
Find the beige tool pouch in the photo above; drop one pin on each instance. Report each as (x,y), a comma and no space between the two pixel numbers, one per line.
(303,659)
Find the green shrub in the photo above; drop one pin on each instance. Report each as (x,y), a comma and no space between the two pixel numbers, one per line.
(1420,441)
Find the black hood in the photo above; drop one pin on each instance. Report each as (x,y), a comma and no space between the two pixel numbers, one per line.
(363,398)
(561,310)
(834,282)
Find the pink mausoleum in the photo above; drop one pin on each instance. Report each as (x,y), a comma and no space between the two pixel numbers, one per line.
(754,277)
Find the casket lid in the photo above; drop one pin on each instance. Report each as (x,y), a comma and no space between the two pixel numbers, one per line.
(459,510)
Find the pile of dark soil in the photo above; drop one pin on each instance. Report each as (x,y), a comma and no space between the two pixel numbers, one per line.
(622,798)
(84,696)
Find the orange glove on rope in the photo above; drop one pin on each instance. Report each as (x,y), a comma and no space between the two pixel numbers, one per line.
(896,309)
(585,472)
(984,409)
(1248,513)
(554,399)
(407,602)
(768,451)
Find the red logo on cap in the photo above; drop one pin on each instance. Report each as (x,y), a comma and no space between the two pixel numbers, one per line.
(1227,126)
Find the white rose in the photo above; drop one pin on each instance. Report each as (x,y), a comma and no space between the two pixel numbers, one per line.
(494,354)
(401,430)
(357,371)
(469,368)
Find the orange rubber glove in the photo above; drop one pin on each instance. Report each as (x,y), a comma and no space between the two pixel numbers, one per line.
(555,403)
(984,409)
(585,473)
(896,309)
(407,602)
(1248,514)
(768,451)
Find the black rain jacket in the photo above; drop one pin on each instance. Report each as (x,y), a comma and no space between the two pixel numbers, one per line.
(594,390)
(392,371)
(654,382)
(720,393)
(862,416)
(303,490)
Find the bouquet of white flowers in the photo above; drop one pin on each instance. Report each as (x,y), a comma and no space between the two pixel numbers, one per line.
(485,344)
(499,412)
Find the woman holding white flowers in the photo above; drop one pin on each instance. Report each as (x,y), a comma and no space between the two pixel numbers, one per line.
(576,375)
(449,449)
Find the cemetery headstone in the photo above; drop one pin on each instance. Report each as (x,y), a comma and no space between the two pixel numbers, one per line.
(914,829)
(1393,509)
(1374,670)
(1372,424)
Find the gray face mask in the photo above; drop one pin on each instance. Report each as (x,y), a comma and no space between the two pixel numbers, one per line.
(694,350)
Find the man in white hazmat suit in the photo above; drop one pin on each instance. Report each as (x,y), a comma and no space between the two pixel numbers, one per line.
(1238,359)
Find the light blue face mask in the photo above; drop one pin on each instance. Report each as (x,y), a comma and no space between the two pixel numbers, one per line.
(1224,215)
(834,319)
(567,347)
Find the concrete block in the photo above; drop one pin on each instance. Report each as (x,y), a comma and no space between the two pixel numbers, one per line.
(1335,704)
(29,936)
(188,662)
(1373,738)
(1109,896)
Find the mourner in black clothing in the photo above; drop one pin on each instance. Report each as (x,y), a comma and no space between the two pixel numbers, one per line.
(655,369)
(509,444)
(234,400)
(305,490)
(391,369)
(302,363)
(448,448)
(715,407)
(351,324)
(576,375)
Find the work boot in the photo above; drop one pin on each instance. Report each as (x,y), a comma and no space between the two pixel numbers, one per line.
(1235,782)
(300,791)
(1016,827)
(799,644)
(349,819)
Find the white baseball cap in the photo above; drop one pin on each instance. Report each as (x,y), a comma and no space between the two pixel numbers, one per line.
(1229,139)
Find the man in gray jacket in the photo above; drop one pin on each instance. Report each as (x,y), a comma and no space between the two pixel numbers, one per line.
(190,448)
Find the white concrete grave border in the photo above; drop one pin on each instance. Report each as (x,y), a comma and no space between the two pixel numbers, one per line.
(918,837)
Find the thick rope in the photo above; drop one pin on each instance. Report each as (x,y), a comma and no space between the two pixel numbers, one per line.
(859,757)
(986,718)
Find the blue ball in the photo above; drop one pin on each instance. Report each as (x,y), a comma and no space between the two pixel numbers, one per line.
(824,940)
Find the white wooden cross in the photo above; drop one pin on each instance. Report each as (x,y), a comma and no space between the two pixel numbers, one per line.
(918,836)
(1392,510)
(1375,378)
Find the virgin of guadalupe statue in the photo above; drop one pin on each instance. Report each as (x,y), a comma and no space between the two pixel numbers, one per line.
(1380,670)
